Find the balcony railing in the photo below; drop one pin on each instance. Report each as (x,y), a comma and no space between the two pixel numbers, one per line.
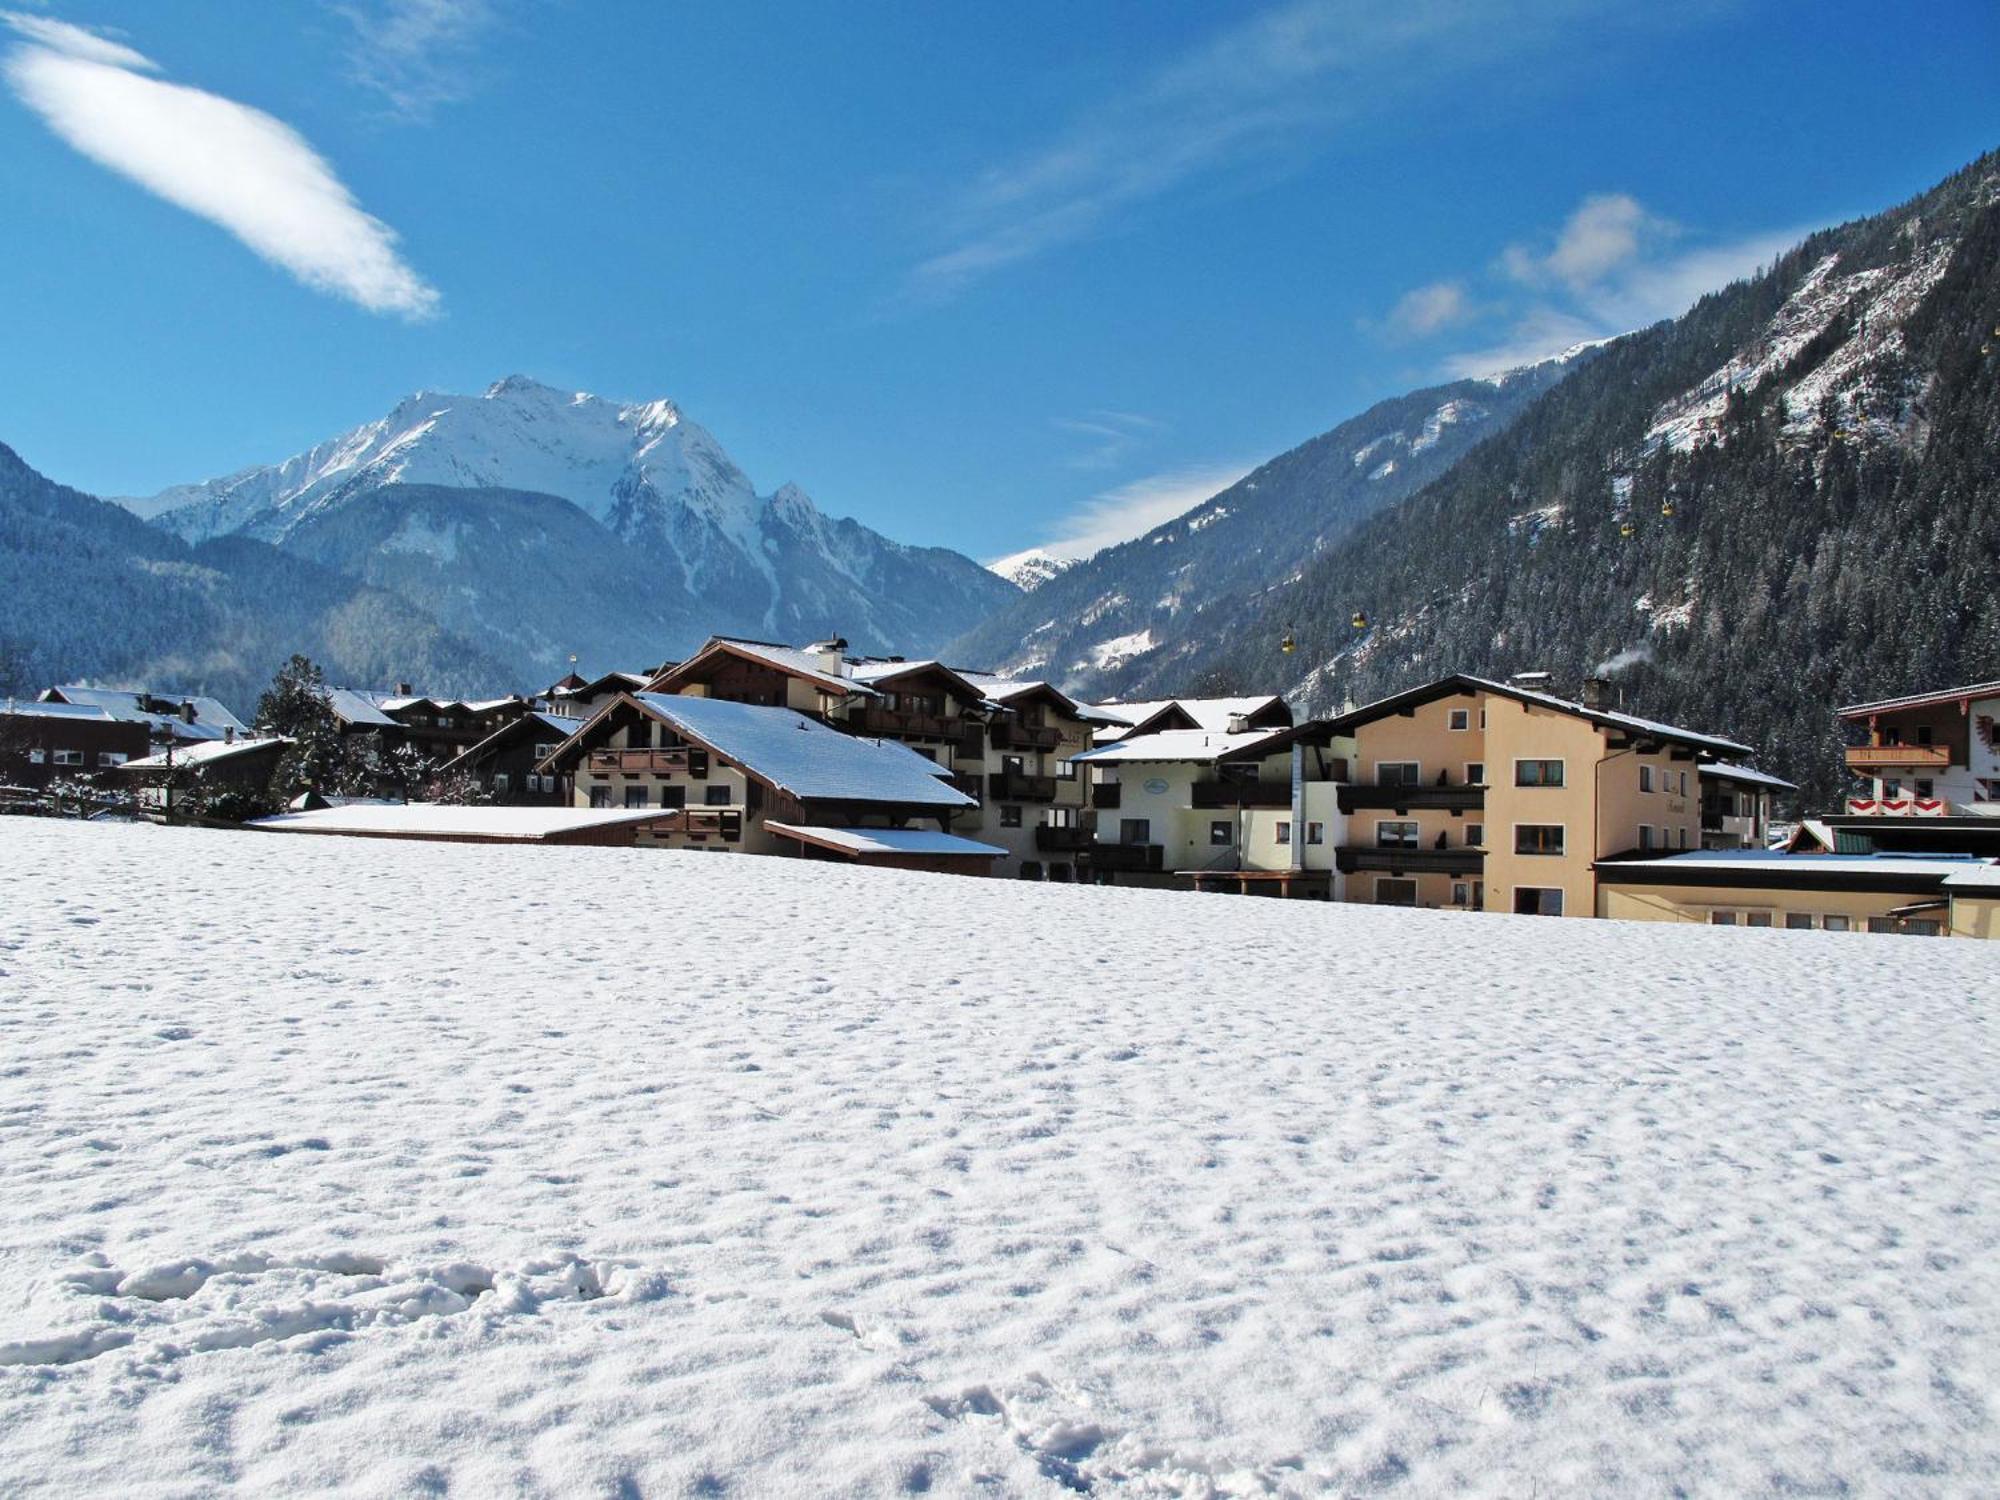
(1870,757)
(1209,794)
(1012,786)
(1125,857)
(901,721)
(1352,857)
(1053,840)
(1404,798)
(1008,736)
(969,782)
(683,762)
(725,823)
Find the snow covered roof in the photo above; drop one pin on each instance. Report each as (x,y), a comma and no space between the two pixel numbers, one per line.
(887,840)
(790,660)
(351,707)
(437,820)
(1749,775)
(1923,700)
(1184,745)
(535,720)
(58,710)
(1775,867)
(1002,691)
(1464,682)
(127,706)
(206,753)
(805,757)
(1983,879)
(1207,713)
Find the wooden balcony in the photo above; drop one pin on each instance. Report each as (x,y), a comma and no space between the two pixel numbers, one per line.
(725,823)
(1211,794)
(1872,758)
(1052,840)
(1007,736)
(1012,786)
(898,723)
(1405,798)
(1350,858)
(684,762)
(1124,857)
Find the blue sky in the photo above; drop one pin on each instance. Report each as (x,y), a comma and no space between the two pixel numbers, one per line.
(981,276)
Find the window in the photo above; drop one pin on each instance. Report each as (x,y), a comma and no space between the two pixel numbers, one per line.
(117,758)
(1284,833)
(1065,770)
(499,781)
(717,795)
(1684,783)
(1396,834)
(600,796)
(1220,831)
(1881,924)
(1892,789)
(1538,838)
(1922,927)
(1397,773)
(1482,718)
(1645,836)
(1756,919)
(1538,773)
(673,796)
(1461,892)
(1924,734)
(1010,817)
(38,757)
(635,796)
(1923,784)
(1645,778)
(1315,833)
(1135,831)
(1537,901)
(1681,836)
(543,752)
(69,757)
(1475,773)
(1461,718)
(1391,892)
(1475,835)
(1798,921)
(1722,919)
(1835,924)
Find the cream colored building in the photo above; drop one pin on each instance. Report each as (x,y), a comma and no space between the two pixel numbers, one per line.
(1938,895)
(1491,796)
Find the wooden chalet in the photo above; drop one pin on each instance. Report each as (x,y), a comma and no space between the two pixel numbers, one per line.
(506,765)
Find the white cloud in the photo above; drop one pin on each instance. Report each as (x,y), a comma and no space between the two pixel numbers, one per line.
(1613,266)
(228,163)
(1118,515)
(1109,437)
(1267,91)
(414,53)
(1425,310)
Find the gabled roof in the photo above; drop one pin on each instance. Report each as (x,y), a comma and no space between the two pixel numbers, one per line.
(574,686)
(1461,683)
(801,756)
(70,711)
(1204,713)
(207,753)
(790,660)
(535,721)
(1922,700)
(1747,775)
(351,707)
(1006,692)
(1197,745)
(125,705)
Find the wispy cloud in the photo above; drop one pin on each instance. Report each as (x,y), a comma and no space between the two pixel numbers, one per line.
(1612,266)
(1118,515)
(1265,92)
(228,163)
(417,54)
(1108,438)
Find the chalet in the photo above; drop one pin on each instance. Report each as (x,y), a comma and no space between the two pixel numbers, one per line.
(1924,895)
(187,719)
(1495,796)
(506,765)
(1123,720)
(578,697)
(757,778)
(442,728)
(1928,754)
(1736,805)
(811,680)
(1240,808)
(45,742)
(1023,757)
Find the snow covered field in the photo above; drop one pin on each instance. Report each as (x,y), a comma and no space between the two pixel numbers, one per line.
(409,1169)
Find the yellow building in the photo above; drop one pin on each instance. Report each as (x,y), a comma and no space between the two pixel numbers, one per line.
(1494,796)
(1913,895)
